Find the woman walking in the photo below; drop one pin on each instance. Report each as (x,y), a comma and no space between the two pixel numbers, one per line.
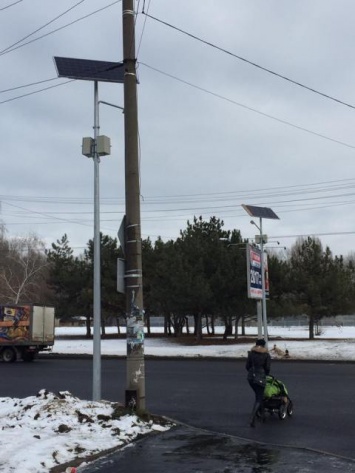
(258,367)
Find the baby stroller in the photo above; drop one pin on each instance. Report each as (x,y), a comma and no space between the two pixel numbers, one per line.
(276,398)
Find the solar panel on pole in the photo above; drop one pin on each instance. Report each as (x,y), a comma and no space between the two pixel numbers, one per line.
(88,69)
(260,212)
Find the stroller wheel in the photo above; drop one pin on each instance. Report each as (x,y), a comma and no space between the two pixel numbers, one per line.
(290,408)
(282,411)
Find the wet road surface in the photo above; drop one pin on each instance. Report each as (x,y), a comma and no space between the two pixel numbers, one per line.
(188,450)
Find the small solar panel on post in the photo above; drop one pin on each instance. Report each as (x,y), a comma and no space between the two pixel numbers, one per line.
(88,69)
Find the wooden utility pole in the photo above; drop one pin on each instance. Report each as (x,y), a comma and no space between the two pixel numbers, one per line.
(135,390)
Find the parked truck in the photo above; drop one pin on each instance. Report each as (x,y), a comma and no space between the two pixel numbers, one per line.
(25,330)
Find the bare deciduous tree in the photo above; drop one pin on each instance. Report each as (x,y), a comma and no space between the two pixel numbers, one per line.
(22,266)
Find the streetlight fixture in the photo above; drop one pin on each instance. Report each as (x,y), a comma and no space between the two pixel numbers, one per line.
(261,212)
(125,73)
(92,70)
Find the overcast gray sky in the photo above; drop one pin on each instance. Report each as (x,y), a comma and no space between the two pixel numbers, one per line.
(215,131)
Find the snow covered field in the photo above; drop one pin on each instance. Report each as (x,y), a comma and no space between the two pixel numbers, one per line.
(335,343)
(39,432)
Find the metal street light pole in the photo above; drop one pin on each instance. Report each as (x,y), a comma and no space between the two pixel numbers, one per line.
(263,282)
(262,270)
(92,70)
(259,316)
(96,386)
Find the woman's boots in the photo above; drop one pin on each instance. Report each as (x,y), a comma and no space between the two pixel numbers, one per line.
(253,414)
(258,407)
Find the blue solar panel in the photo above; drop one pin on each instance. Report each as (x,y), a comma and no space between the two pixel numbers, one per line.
(87,69)
(261,212)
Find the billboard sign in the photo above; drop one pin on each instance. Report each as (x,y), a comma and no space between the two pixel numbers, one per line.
(254,281)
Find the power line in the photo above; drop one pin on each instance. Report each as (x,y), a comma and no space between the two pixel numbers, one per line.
(313,234)
(36,91)
(285,122)
(87,223)
(249,62)
(240,194)
(41,28)
(170,214)
(262,193)
(10,5)
(46,215)
(28,85)
(349,181)
(209,209)
(144,24)
(61,28)
(222,97)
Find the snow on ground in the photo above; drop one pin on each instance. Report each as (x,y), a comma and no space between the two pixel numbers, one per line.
(40,432)
(334,343)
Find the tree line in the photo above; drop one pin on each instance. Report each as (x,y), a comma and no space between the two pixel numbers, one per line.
(200,275)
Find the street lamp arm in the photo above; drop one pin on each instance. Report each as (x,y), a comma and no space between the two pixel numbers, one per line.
(257,226)
(111,105)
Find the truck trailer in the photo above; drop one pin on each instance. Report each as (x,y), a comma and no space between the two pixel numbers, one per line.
(25,330)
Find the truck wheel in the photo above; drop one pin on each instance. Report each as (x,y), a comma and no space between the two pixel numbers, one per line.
(8,355)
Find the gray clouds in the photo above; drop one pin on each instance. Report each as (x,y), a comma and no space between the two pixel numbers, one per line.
(192,143)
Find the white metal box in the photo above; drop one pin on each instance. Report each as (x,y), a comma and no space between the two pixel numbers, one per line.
(103,145)
(88,147)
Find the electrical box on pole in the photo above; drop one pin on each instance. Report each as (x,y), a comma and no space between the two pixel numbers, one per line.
(88,147)
(103,145)
(258,239)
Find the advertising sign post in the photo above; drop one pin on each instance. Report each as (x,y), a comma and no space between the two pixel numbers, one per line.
(260,212)
(254,272)
(254,280)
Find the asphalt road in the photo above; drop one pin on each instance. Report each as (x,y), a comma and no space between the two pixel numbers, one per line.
(214,395)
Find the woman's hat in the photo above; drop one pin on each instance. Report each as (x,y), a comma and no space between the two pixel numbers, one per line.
(260,342)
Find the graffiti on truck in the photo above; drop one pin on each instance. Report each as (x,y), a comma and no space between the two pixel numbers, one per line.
(14,323)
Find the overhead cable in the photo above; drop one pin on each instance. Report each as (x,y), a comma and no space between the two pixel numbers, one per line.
(59,29)
(58,219)
(249,62)
(27,85)
(309,188)
(144,23)
(312,234)
(10,5)
(41,28)
(222,97)
(36,91)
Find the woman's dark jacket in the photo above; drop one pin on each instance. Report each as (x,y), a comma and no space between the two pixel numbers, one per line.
(258,360)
